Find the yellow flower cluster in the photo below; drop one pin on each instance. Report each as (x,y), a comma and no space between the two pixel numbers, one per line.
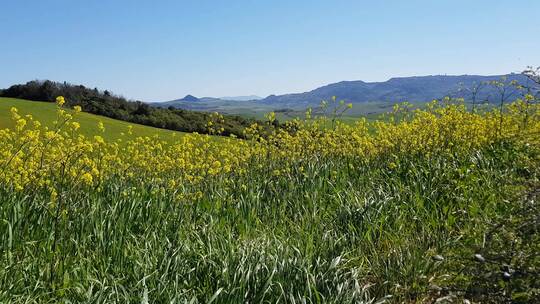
(39,157)
(215,124)
(33,156)
(437,128)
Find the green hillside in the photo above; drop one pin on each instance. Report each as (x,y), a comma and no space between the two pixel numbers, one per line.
(45,112)
(107,104)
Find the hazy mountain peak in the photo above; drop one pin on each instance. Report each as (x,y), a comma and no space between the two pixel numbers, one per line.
(190,98)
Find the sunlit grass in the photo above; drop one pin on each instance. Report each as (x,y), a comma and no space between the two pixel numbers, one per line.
(45,112)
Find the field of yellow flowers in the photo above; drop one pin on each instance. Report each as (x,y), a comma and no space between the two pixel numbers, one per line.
(425,204)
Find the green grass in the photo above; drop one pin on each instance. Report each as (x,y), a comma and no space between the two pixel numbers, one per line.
(45,112)
(329,234)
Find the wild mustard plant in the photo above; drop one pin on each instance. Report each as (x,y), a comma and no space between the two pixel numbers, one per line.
(34,156)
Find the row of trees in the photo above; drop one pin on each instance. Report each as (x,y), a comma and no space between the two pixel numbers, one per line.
(107,104)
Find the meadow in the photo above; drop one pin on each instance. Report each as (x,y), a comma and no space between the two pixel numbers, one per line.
(46,113)
(438,203)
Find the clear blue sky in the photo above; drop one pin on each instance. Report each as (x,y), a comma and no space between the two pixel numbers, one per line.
(161,50)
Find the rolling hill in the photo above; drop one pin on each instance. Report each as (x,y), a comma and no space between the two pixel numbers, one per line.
(45,112)
(104,103)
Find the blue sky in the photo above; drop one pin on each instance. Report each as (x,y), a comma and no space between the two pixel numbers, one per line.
(162,50)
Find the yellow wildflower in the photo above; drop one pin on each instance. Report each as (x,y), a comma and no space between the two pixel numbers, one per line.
(60,101)
(87,178)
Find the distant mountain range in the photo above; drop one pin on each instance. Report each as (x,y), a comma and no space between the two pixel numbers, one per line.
(186,100)
(413,89)
(394,90)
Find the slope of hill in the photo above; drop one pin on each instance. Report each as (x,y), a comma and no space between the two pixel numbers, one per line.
(106,104)
(45,112)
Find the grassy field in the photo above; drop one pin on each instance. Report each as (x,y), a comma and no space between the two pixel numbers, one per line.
(45,112)
(439,207)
